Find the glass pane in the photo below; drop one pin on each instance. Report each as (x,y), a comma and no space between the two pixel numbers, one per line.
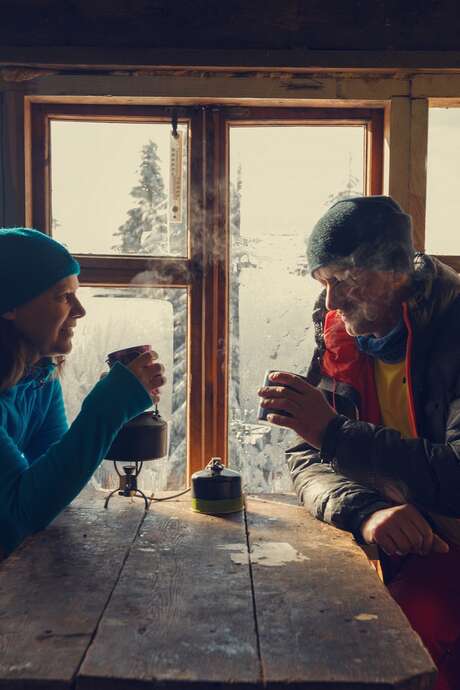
(282,179)
(443,179)
(121,317)
(119,187)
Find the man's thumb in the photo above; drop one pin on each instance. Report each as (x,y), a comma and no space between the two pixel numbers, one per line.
(439,545)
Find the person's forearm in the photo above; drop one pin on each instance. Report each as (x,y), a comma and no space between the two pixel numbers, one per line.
(31,496)
(427,473)
(331,497)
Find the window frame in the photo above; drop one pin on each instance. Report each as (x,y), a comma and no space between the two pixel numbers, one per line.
(204,274)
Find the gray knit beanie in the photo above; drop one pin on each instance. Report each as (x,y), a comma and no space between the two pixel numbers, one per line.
(370,231)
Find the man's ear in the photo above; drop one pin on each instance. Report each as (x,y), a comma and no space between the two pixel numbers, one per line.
(9,315)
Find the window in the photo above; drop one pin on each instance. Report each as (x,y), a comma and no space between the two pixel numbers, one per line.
(443,202)
(195,244)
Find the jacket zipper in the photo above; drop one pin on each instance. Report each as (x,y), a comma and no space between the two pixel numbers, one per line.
(410,396)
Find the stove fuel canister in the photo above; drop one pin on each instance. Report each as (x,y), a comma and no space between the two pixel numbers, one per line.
(216,490)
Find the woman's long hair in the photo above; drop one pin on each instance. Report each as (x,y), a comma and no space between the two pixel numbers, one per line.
(16,355)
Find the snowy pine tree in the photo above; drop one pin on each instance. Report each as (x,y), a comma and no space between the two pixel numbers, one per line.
(146,231)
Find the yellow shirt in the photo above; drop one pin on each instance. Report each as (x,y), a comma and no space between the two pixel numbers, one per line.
(391,383)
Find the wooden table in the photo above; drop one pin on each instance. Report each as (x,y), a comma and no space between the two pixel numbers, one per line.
(172,599)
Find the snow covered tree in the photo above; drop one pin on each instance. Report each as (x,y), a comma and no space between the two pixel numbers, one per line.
(351,188)
(146,229)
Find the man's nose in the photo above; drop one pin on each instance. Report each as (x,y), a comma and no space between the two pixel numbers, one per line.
(334,298)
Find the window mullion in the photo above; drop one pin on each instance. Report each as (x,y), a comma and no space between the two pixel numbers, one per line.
(129,270)
(215,332)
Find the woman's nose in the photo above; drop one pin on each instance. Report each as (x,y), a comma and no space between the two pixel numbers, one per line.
(78,311)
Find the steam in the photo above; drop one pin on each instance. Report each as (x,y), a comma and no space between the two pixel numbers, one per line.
(369,286)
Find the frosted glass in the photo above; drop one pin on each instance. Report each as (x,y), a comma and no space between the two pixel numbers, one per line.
(122,317)
(282,179)
(110,188)
(443,180)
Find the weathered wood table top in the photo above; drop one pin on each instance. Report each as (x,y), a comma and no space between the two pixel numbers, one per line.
(269,598)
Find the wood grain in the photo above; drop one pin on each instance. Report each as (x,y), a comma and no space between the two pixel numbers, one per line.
(54,588)
(327,622)
(181,614)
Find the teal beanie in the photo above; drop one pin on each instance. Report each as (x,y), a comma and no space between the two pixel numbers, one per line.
(370,231)
(30,263)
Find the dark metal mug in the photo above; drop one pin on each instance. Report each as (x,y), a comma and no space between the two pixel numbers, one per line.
(262,412)
(126,355)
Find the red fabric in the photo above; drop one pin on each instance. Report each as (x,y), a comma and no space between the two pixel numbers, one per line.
(344,362)
(428,590)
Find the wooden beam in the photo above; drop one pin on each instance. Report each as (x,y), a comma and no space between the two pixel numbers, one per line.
(397,145)
(417,169)
(193,87)
(449,260)
(88,57)
(443,85)
(12,159)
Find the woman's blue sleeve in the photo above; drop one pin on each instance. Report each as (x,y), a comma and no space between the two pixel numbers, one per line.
(53,427)
(32,495)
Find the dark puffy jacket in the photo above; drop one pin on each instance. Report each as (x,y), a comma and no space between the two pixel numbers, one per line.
(360,464)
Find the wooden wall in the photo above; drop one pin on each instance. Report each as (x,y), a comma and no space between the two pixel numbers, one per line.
(313,25)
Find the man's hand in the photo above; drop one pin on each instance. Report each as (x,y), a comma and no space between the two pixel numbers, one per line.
(401,530)
(310,412)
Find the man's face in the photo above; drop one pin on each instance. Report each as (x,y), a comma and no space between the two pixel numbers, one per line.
(367,300)
(48,321)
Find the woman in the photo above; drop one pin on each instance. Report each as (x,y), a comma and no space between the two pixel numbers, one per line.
(44,464)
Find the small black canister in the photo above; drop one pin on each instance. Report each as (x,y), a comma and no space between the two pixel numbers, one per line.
(216,489)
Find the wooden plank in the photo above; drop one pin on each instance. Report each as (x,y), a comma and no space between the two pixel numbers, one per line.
(301,59)
(135,270)
(182,612)
(198,85)
(372,87)
(417,176)
(374,153)
(436,86)
(326,621)
(12,144)
(216,307)
(452,261)
(397,136)
(54,588)
(195,326)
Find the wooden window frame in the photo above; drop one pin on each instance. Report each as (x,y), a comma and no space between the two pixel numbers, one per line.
(204,272)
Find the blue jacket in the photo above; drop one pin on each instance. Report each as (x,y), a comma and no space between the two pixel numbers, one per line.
(44,463)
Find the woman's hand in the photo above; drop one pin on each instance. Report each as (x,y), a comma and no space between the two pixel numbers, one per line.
(149,372)
(309,411)
(401,530)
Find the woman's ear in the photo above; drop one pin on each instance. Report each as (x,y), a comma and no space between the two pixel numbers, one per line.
(9,315)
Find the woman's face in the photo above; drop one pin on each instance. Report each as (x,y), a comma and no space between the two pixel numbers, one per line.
(48,321)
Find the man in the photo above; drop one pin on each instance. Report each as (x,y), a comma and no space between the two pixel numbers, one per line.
(380,411)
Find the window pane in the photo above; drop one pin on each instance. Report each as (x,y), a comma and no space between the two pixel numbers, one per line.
(443,179)
(282,179)
(119,187)
(122,317)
